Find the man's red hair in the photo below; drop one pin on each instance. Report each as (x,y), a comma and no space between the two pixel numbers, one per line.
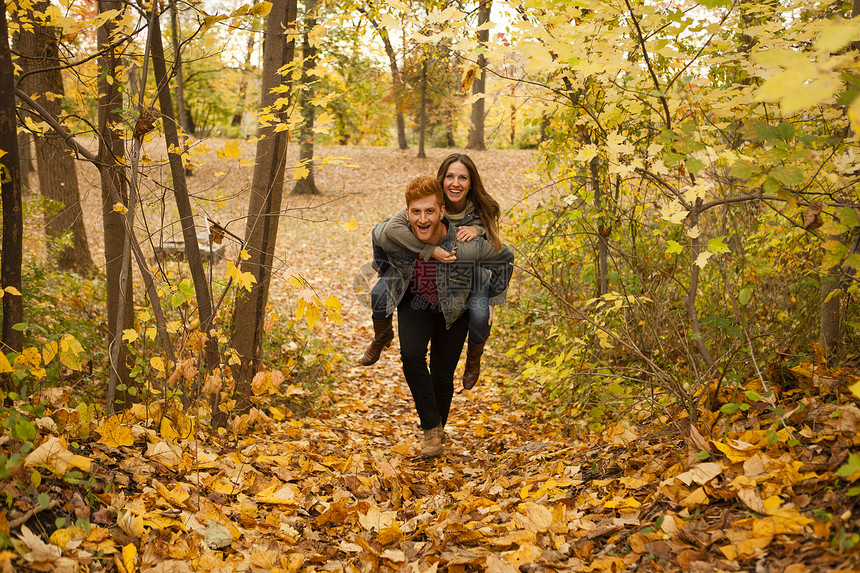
(424,186)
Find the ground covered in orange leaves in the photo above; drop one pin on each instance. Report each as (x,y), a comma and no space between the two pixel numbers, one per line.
(340,488)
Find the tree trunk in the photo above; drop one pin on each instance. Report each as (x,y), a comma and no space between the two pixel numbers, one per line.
(265,203)
(602,230)
(423,120)
(111,156)
(243,83)
(25,154)
(181,106)
(476,130)
(183,203)
(306,185)
(10,197)
(57,170)
(696,247)
(397,86)
(449,129)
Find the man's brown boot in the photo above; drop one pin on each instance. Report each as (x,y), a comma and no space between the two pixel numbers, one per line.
(383,334)
(473,365)
(431,445)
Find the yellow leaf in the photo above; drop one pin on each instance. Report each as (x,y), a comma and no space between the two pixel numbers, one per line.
(300,172)
(695,499)
(114,434)
(129,557)
(616,503)
(746,549)
(83,463)
(167,431)
(12,290)
(130,335)
(855,389)
(120,208)
(261,9)
(62,537)
(49,351)
(5,367)
(157,363)
(837,35)
(244,255)
(231,150)
(130,523)
(29,357)
(175,496)
(71,352)
(279,495)
(351,225)
(854,114)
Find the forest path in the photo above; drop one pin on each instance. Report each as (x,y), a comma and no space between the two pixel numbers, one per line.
(340,487)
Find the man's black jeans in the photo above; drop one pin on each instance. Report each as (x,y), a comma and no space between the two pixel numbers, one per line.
(420,324)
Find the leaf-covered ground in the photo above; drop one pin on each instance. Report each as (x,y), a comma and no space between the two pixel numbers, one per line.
(341,489)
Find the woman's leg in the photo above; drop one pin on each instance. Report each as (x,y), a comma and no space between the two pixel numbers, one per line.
(479,312)
(479,328)
(383,333)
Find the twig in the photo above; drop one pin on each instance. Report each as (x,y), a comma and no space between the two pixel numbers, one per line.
(18,522)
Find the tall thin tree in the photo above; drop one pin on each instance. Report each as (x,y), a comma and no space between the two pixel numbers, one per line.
(10,197)
(114,189)
(56,168)
(306,185)
(476,130)
(265,202)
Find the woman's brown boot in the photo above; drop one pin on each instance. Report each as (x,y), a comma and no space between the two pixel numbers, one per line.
(383,334)
(473,365)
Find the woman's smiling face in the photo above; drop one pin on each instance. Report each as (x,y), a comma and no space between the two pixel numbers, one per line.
(456,186)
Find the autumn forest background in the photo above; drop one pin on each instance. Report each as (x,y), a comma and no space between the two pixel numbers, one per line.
(187,194)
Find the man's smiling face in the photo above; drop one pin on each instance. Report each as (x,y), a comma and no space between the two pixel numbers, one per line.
(425,218)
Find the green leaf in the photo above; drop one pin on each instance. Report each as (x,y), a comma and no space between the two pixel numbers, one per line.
(674,248)
(772,186)
(44,499)
(752,395)
(788,175)
(702,455)
(833,227)
(854,491)
(851,467)
(745,295)
(715,3)
(730,408)
(742,170)
(694,165)
(848,216)
(717,246)
(20,327)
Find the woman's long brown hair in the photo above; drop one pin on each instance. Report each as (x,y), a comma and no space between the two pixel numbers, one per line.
(487,207)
